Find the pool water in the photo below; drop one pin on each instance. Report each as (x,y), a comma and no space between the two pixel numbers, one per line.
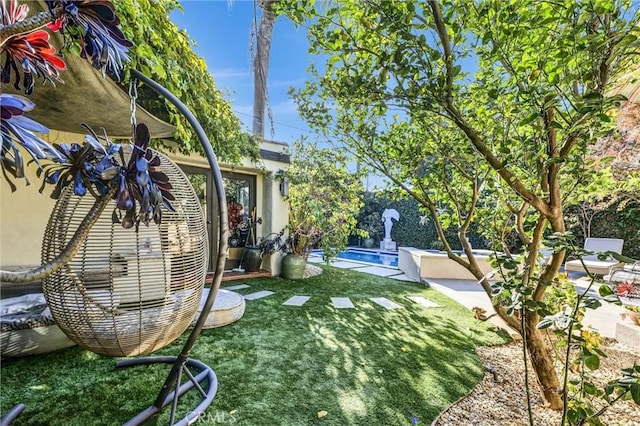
(369,256)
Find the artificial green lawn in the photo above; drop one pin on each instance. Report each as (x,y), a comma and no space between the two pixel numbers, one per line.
(281,365)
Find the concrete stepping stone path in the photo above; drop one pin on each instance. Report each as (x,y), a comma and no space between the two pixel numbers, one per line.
(423,302)
(342,302)
(343,264)
(297,301)
(384,302)
(378,270)
(259,295)
(237,287)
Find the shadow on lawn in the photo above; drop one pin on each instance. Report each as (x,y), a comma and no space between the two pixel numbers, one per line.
(414,365)
(366,365)
(281,365)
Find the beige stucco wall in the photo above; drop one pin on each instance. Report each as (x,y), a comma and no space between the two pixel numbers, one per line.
(420,265)
(24,213)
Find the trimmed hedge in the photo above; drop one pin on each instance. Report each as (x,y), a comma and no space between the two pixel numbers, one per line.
(616,221)
(408,231)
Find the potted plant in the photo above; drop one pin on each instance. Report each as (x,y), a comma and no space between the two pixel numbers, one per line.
(372,227)
(252,256)
(297,247)
(633,313)
(272,248)
(323,203)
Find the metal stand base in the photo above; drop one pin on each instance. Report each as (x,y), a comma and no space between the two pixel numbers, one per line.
(11,415)
(172,389)
(205,374)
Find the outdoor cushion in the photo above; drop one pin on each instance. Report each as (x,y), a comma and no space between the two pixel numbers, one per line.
(227,308)
(28,328)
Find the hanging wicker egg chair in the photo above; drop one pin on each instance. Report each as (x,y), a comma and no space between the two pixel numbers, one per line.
(128,292)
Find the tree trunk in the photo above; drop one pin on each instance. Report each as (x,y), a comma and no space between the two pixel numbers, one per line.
(542,362)
(261,67)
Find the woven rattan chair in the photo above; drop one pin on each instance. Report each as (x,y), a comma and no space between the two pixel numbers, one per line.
(128,292)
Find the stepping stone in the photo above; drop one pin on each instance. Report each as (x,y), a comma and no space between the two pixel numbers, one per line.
(237,287)
(384,302)
(378,270)
(297,301)
(422,301)
(342,302)
(259,295)
(345,265)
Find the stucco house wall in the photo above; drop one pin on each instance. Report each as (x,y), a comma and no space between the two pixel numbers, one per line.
(24,214)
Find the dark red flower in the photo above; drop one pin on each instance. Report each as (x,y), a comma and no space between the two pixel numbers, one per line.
(27,55)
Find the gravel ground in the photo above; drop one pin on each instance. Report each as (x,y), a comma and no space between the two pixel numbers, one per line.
(504,403)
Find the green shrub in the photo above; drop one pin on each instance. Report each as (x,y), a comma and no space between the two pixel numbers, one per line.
(412,230)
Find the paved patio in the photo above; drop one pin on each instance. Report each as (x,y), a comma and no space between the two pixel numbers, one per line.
(470,294)
(379,270)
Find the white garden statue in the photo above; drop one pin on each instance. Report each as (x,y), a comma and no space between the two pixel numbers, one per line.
(388,216)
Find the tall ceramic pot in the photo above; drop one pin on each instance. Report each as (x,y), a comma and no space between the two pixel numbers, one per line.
(252,259)
(293,267)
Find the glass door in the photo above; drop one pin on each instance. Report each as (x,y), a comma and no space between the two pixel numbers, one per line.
(240,192)
(202,182)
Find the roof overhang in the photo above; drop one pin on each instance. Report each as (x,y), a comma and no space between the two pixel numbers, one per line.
(86,97)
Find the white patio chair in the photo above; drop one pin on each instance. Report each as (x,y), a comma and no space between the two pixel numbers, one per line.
(592,263)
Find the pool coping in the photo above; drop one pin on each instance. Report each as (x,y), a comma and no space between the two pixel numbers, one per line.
(362,262)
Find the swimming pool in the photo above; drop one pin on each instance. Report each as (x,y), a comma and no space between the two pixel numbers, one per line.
(368,256)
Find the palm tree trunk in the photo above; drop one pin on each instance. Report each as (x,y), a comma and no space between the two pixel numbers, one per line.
(261,66)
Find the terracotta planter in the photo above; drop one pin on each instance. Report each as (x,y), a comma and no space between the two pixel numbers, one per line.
(634,317)
(293,267)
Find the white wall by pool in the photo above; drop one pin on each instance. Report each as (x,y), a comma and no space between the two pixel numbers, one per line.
(421,264)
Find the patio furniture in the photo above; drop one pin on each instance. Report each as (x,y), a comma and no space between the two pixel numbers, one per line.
(128,292)
(126,268)
(27,327)
(591,262)
(629,274)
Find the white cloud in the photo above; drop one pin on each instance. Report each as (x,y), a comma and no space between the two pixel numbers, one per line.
(230,73)
(287,83)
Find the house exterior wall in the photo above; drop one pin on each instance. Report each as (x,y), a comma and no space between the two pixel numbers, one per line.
(24,214)
(271,206)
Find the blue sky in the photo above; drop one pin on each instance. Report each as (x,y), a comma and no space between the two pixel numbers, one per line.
(221,30)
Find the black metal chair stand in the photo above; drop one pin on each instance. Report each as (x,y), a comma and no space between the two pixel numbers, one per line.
(11,415)
(172,388)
